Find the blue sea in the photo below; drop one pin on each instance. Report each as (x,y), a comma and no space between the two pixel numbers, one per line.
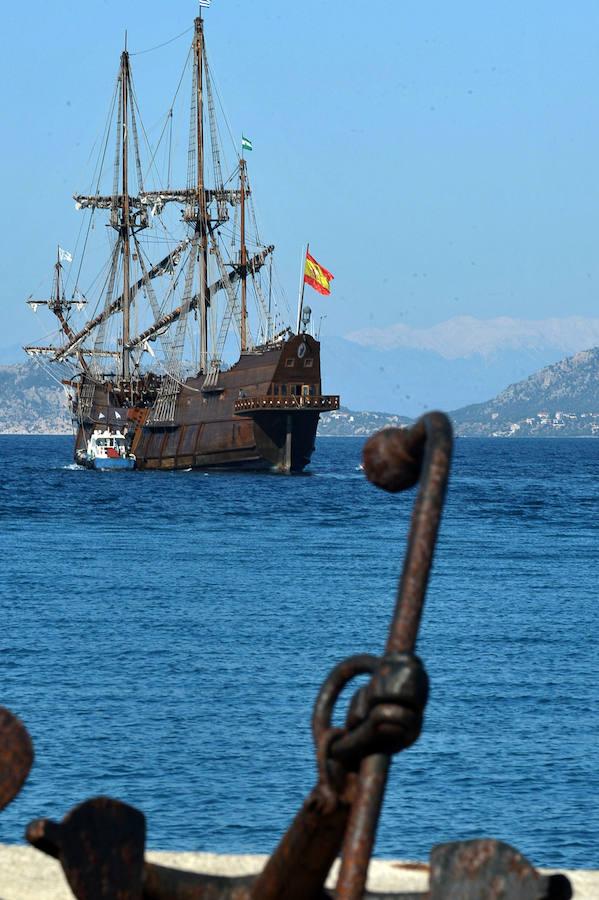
(164,635)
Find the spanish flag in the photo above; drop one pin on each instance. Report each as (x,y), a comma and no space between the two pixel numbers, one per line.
(317,276)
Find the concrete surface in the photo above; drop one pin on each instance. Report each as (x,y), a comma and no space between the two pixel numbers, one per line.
(27,874)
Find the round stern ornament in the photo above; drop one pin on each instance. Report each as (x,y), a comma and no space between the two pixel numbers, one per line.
(301,351)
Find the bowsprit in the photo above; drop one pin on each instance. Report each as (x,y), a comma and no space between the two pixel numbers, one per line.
(101,843)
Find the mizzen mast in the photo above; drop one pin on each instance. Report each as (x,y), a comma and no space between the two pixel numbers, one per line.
(59,305)
(243,259)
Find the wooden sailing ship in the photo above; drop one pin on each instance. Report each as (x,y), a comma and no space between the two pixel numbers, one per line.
(125,368)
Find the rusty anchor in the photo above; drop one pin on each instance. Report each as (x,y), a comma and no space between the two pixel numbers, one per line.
(101,842)
(16,756)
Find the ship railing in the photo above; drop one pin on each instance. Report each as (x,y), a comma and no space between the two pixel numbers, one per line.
(269,403)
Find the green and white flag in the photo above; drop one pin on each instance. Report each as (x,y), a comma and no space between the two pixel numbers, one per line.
(246,144)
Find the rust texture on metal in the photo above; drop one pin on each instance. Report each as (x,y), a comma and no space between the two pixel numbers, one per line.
(396,460)
(160,883)
(490,869)
(101,843)
(16,756)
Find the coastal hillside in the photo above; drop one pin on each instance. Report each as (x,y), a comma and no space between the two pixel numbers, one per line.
(31,402)
(559,400)
(349,423)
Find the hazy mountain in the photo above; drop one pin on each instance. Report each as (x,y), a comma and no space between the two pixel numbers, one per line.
(408,381)
(463,336)
(561,399)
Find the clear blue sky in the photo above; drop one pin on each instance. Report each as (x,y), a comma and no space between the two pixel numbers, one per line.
(442,158)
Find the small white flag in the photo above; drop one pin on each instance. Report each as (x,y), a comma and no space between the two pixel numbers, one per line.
(101,416)
(117,415)
(148,349)
(205,3)
(64,255)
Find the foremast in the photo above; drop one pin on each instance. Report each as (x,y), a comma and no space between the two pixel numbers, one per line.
(243,258)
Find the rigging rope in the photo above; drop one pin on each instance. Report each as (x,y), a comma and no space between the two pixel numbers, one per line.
(170,147)
(164,44)
(134,106)
(168,115)
(117,154)
(191,150)
(99,169)
(222,109)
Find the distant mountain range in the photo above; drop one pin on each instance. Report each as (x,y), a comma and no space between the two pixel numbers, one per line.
(559,400)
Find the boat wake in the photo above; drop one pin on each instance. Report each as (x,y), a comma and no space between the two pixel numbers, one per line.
(340,476)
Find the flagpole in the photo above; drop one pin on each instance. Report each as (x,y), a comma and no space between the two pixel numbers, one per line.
(300,302)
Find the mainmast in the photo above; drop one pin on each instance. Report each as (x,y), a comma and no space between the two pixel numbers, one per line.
(243,259)
(202,219)
(125,221)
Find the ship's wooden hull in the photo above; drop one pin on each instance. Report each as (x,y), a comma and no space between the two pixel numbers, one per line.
(262,414)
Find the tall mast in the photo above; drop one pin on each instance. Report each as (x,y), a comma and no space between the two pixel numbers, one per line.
(243,259)
(57,294)
(57,302)
(125,371)
(202,223)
